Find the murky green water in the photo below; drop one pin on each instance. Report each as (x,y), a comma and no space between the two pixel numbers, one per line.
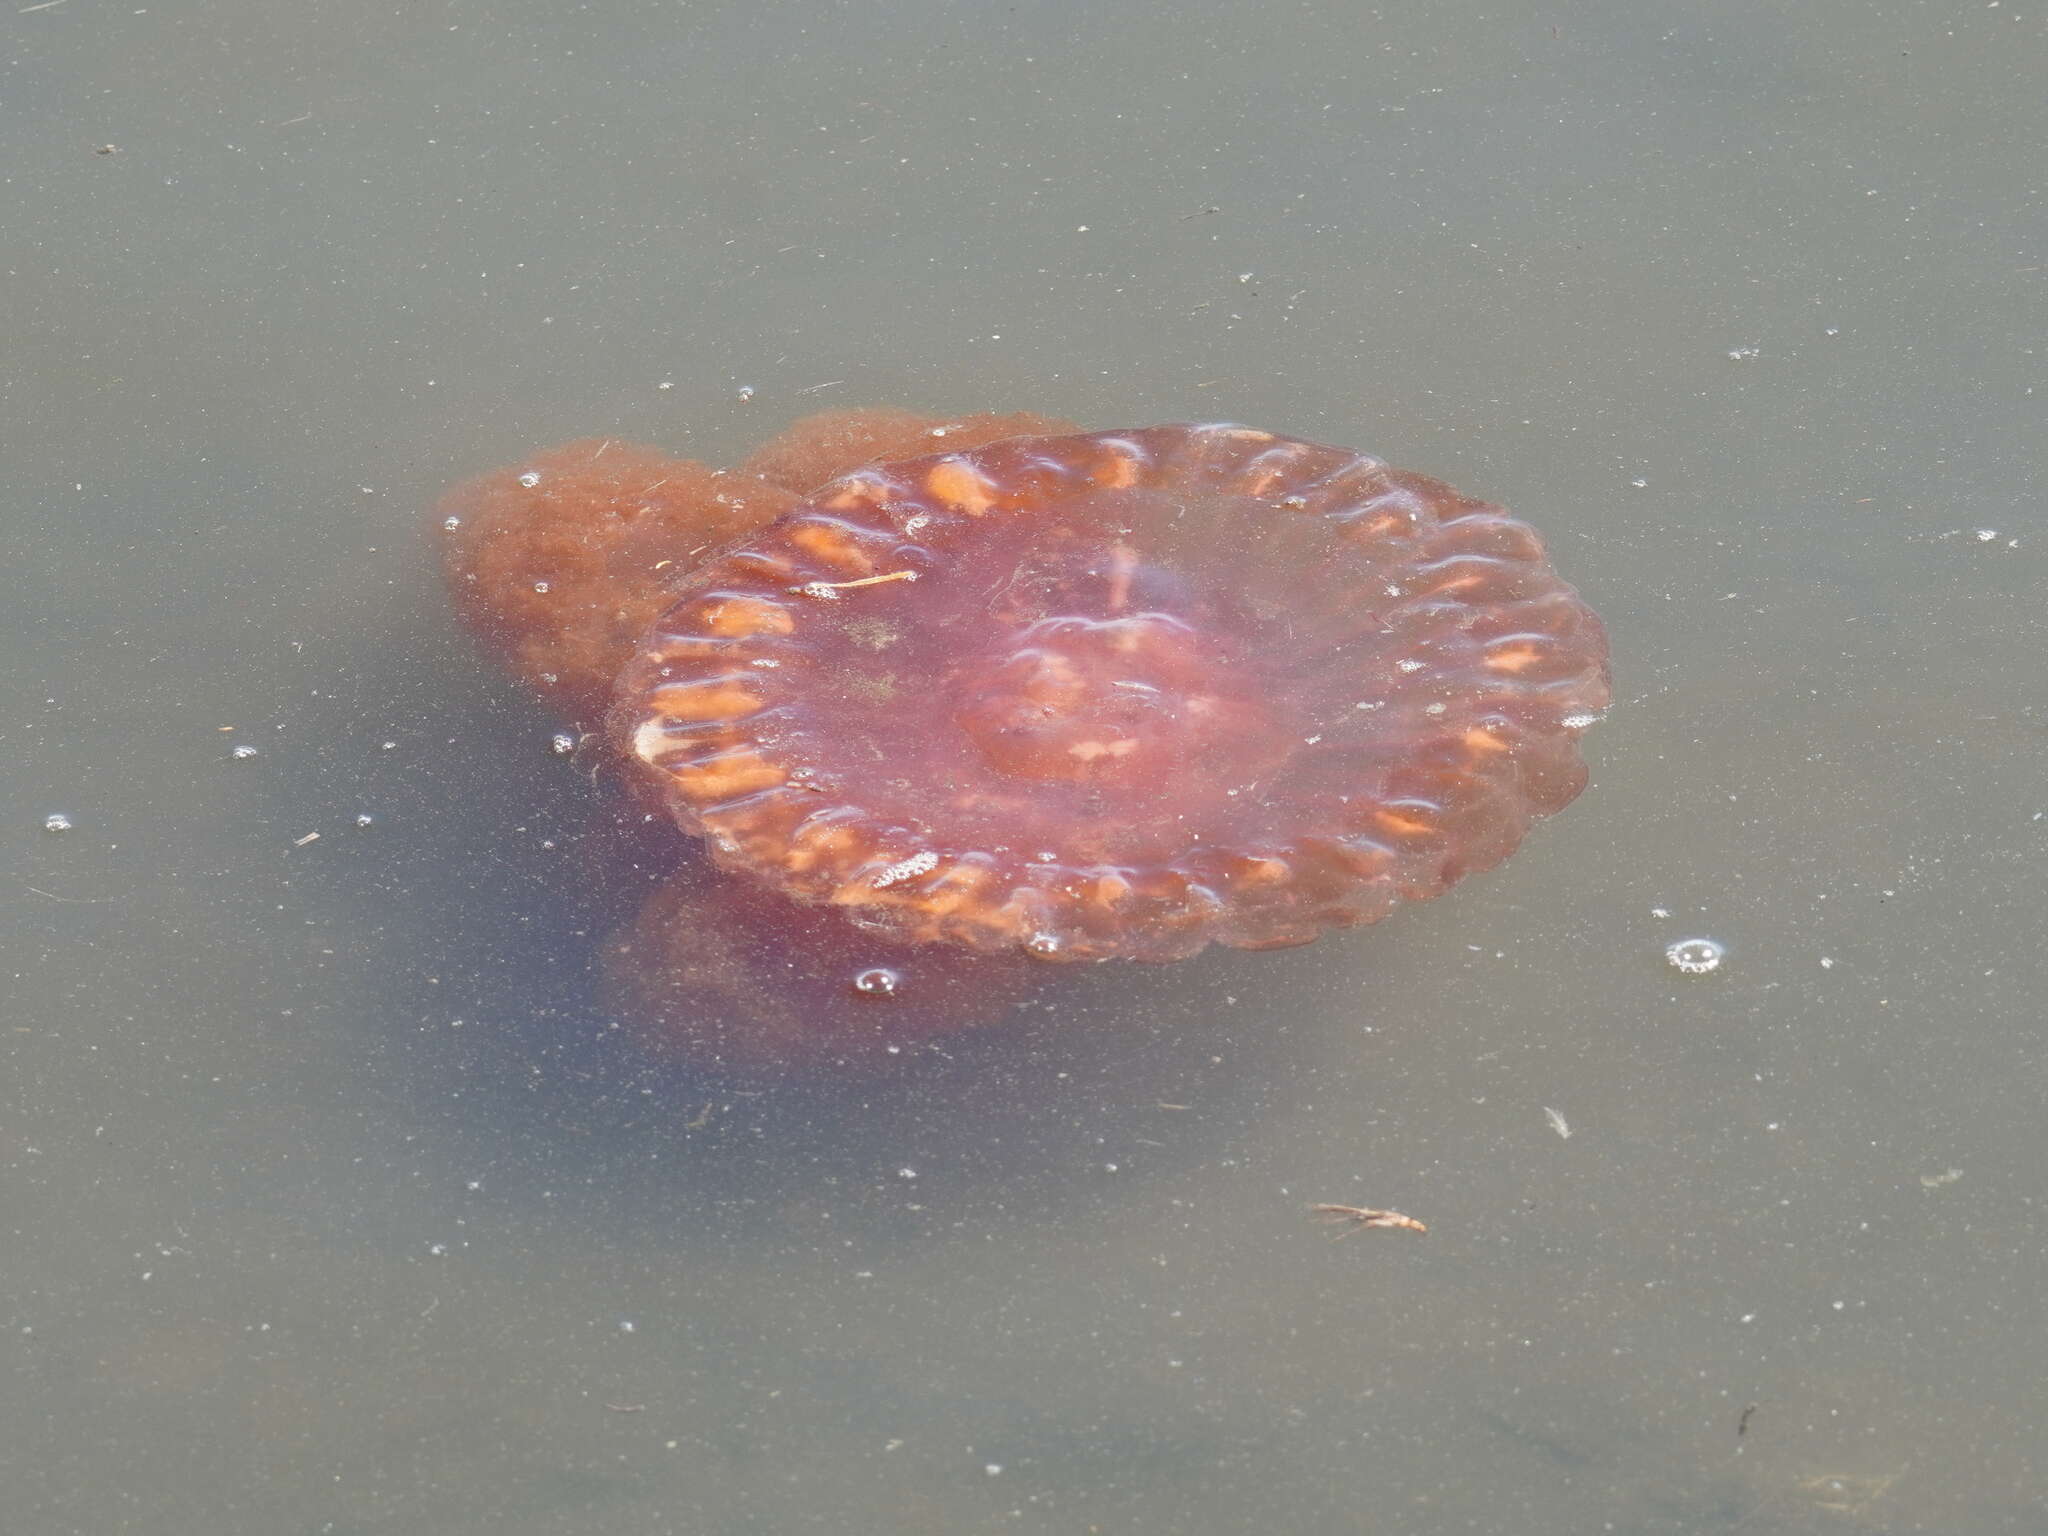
(331,1205)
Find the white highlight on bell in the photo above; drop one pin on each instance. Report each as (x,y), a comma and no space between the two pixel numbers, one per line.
(649,740)
(904,869)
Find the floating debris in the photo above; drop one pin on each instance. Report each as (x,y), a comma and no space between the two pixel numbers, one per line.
(1696,957)
(1357,1218)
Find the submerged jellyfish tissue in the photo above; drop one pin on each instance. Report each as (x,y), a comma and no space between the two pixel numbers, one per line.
(1013,690)
(558,562)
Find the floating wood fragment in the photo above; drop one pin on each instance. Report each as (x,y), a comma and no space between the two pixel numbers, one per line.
(834,588)
(1357,1218)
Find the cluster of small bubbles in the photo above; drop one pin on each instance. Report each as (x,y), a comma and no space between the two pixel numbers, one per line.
(562,743)
(56,821)
(1579,722)
(906,1173)
(746,393)
(878,982)
(450,524)
(438,1250)
(530,479)
(364,818)
(1044,945)
(1744,354)
(540,587)
(242,752)
(1831,330)
(1695,957)
(1639,483)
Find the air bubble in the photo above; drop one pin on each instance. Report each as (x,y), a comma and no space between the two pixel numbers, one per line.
(541,587)
(1696,957)
(56,821)
(562,743)
(878,982)
(450,524)
(242,753)
(1044,945)
(530,479)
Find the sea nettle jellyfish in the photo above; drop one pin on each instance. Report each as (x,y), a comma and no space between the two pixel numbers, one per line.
(1076,696)
(1118,694)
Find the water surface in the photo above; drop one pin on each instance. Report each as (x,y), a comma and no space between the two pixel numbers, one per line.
(332,1206)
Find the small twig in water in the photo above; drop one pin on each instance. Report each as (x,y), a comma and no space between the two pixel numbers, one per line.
(834,588)
(1357,1218)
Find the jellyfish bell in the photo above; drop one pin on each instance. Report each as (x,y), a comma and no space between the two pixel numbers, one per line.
(1118,694)
(827,444)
